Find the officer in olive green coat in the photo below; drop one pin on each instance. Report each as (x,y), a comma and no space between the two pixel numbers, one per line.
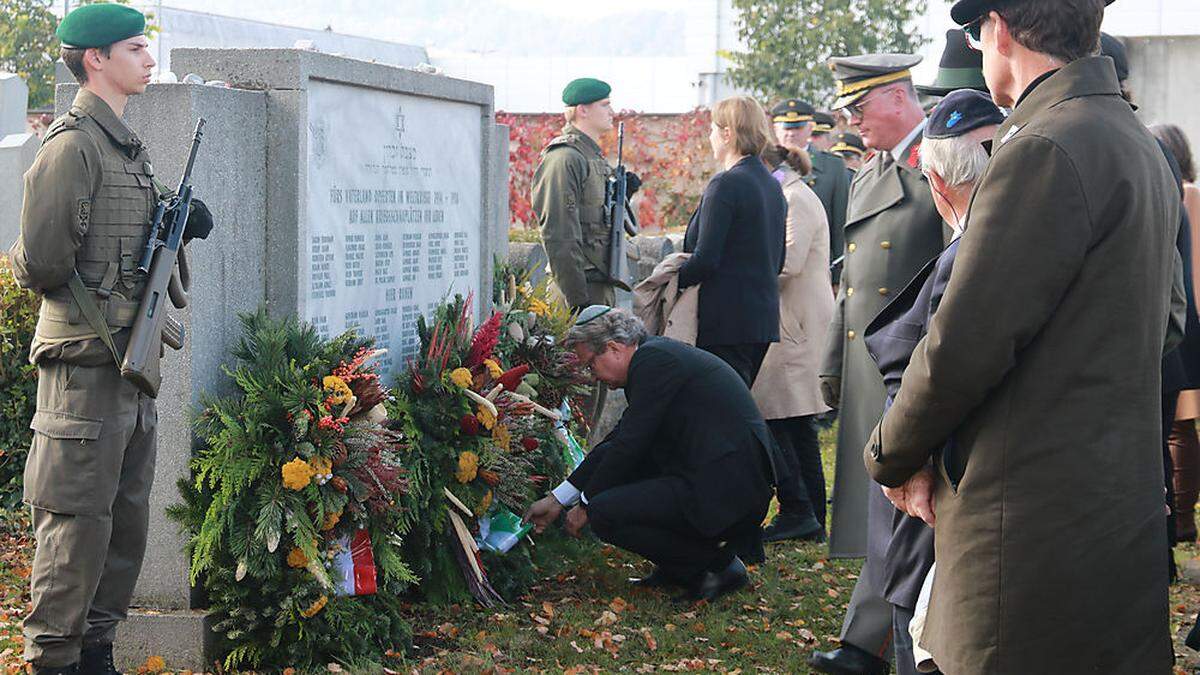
(892,230)
(794,124)
(89,200)
(568,197)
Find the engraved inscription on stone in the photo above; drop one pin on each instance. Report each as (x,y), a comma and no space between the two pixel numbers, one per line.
(356,248)
(392,213)
(383,260)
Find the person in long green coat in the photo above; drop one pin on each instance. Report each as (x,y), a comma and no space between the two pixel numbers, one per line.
(892,230)
(1043,363)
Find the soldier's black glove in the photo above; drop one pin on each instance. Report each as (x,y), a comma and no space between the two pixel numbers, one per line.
(632,183)
(199,222)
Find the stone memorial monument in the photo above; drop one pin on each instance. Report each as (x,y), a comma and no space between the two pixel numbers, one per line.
(351,194)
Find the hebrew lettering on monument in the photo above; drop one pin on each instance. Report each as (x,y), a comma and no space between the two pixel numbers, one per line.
(393,211)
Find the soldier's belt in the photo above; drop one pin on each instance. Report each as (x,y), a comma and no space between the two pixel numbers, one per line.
(117,313)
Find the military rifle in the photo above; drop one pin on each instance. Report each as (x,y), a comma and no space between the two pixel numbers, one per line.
(153,326)
(616,204)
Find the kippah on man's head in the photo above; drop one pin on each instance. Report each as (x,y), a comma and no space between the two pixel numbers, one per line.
(585,90)
(100,25)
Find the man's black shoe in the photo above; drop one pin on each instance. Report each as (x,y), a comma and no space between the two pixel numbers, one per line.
(848,660)
(97,660)
(659,578)
(72,669)
(713,585)
(784,528)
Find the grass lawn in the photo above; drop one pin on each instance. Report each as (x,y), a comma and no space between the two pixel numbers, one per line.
(583,617)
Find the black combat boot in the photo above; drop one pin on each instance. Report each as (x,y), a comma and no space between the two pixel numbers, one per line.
(97,660)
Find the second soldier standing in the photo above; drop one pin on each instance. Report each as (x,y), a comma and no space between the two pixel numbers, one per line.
(569,200)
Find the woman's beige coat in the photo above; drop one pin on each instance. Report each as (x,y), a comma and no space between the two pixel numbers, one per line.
(787,384)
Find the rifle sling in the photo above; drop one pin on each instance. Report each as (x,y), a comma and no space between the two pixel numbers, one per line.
(92,314)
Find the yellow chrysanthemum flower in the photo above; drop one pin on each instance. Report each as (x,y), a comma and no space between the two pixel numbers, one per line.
(317,606)
(502,437)
(297,474)
(340,392)
(461,377)
(486,418)
(296,558)
(493,368)
(539,306)
(468,467)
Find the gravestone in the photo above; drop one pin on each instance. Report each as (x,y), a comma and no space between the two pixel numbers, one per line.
(14,97)
(17,152)
(348,193)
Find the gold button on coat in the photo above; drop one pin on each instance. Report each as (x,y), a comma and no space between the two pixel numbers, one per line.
(885,244)
(849,292)
(851,247)
(849,335)
(883,291)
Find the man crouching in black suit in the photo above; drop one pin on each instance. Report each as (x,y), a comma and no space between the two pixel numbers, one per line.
(687,473)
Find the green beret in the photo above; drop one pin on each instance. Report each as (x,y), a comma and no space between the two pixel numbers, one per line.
(100,25)
(585,90)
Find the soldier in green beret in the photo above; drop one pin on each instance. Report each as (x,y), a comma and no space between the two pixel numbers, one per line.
(568,198)
(89,201)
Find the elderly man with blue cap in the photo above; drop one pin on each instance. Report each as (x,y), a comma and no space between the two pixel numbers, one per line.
(954,155)
(89,200)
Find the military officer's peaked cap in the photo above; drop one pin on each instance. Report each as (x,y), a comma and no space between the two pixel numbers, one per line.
(962,112)
(792,112)
(585,90)
(965,11)
(824,123)
(848,142)
(100,25)
(856,75)
(960,68)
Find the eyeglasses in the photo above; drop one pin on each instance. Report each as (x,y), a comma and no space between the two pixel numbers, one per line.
(587,365)
(856,109)
(974,31)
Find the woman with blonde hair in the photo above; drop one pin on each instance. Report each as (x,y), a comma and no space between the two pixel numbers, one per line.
(737,239)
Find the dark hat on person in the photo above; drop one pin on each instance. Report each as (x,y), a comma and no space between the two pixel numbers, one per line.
(965,11)
(856,75)
(100,25)
(1114,49)
(848,142)
(962,112)
(585,90)
(960,68)
(823,122)
(792,113)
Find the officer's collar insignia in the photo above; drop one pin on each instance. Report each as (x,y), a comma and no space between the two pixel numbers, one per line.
(1011,132)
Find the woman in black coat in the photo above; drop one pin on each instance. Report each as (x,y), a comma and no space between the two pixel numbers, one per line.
(737,239)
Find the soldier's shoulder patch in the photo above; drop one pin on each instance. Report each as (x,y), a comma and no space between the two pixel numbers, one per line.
(85,214)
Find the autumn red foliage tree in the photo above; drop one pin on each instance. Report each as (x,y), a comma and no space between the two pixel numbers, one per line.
(669,152)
